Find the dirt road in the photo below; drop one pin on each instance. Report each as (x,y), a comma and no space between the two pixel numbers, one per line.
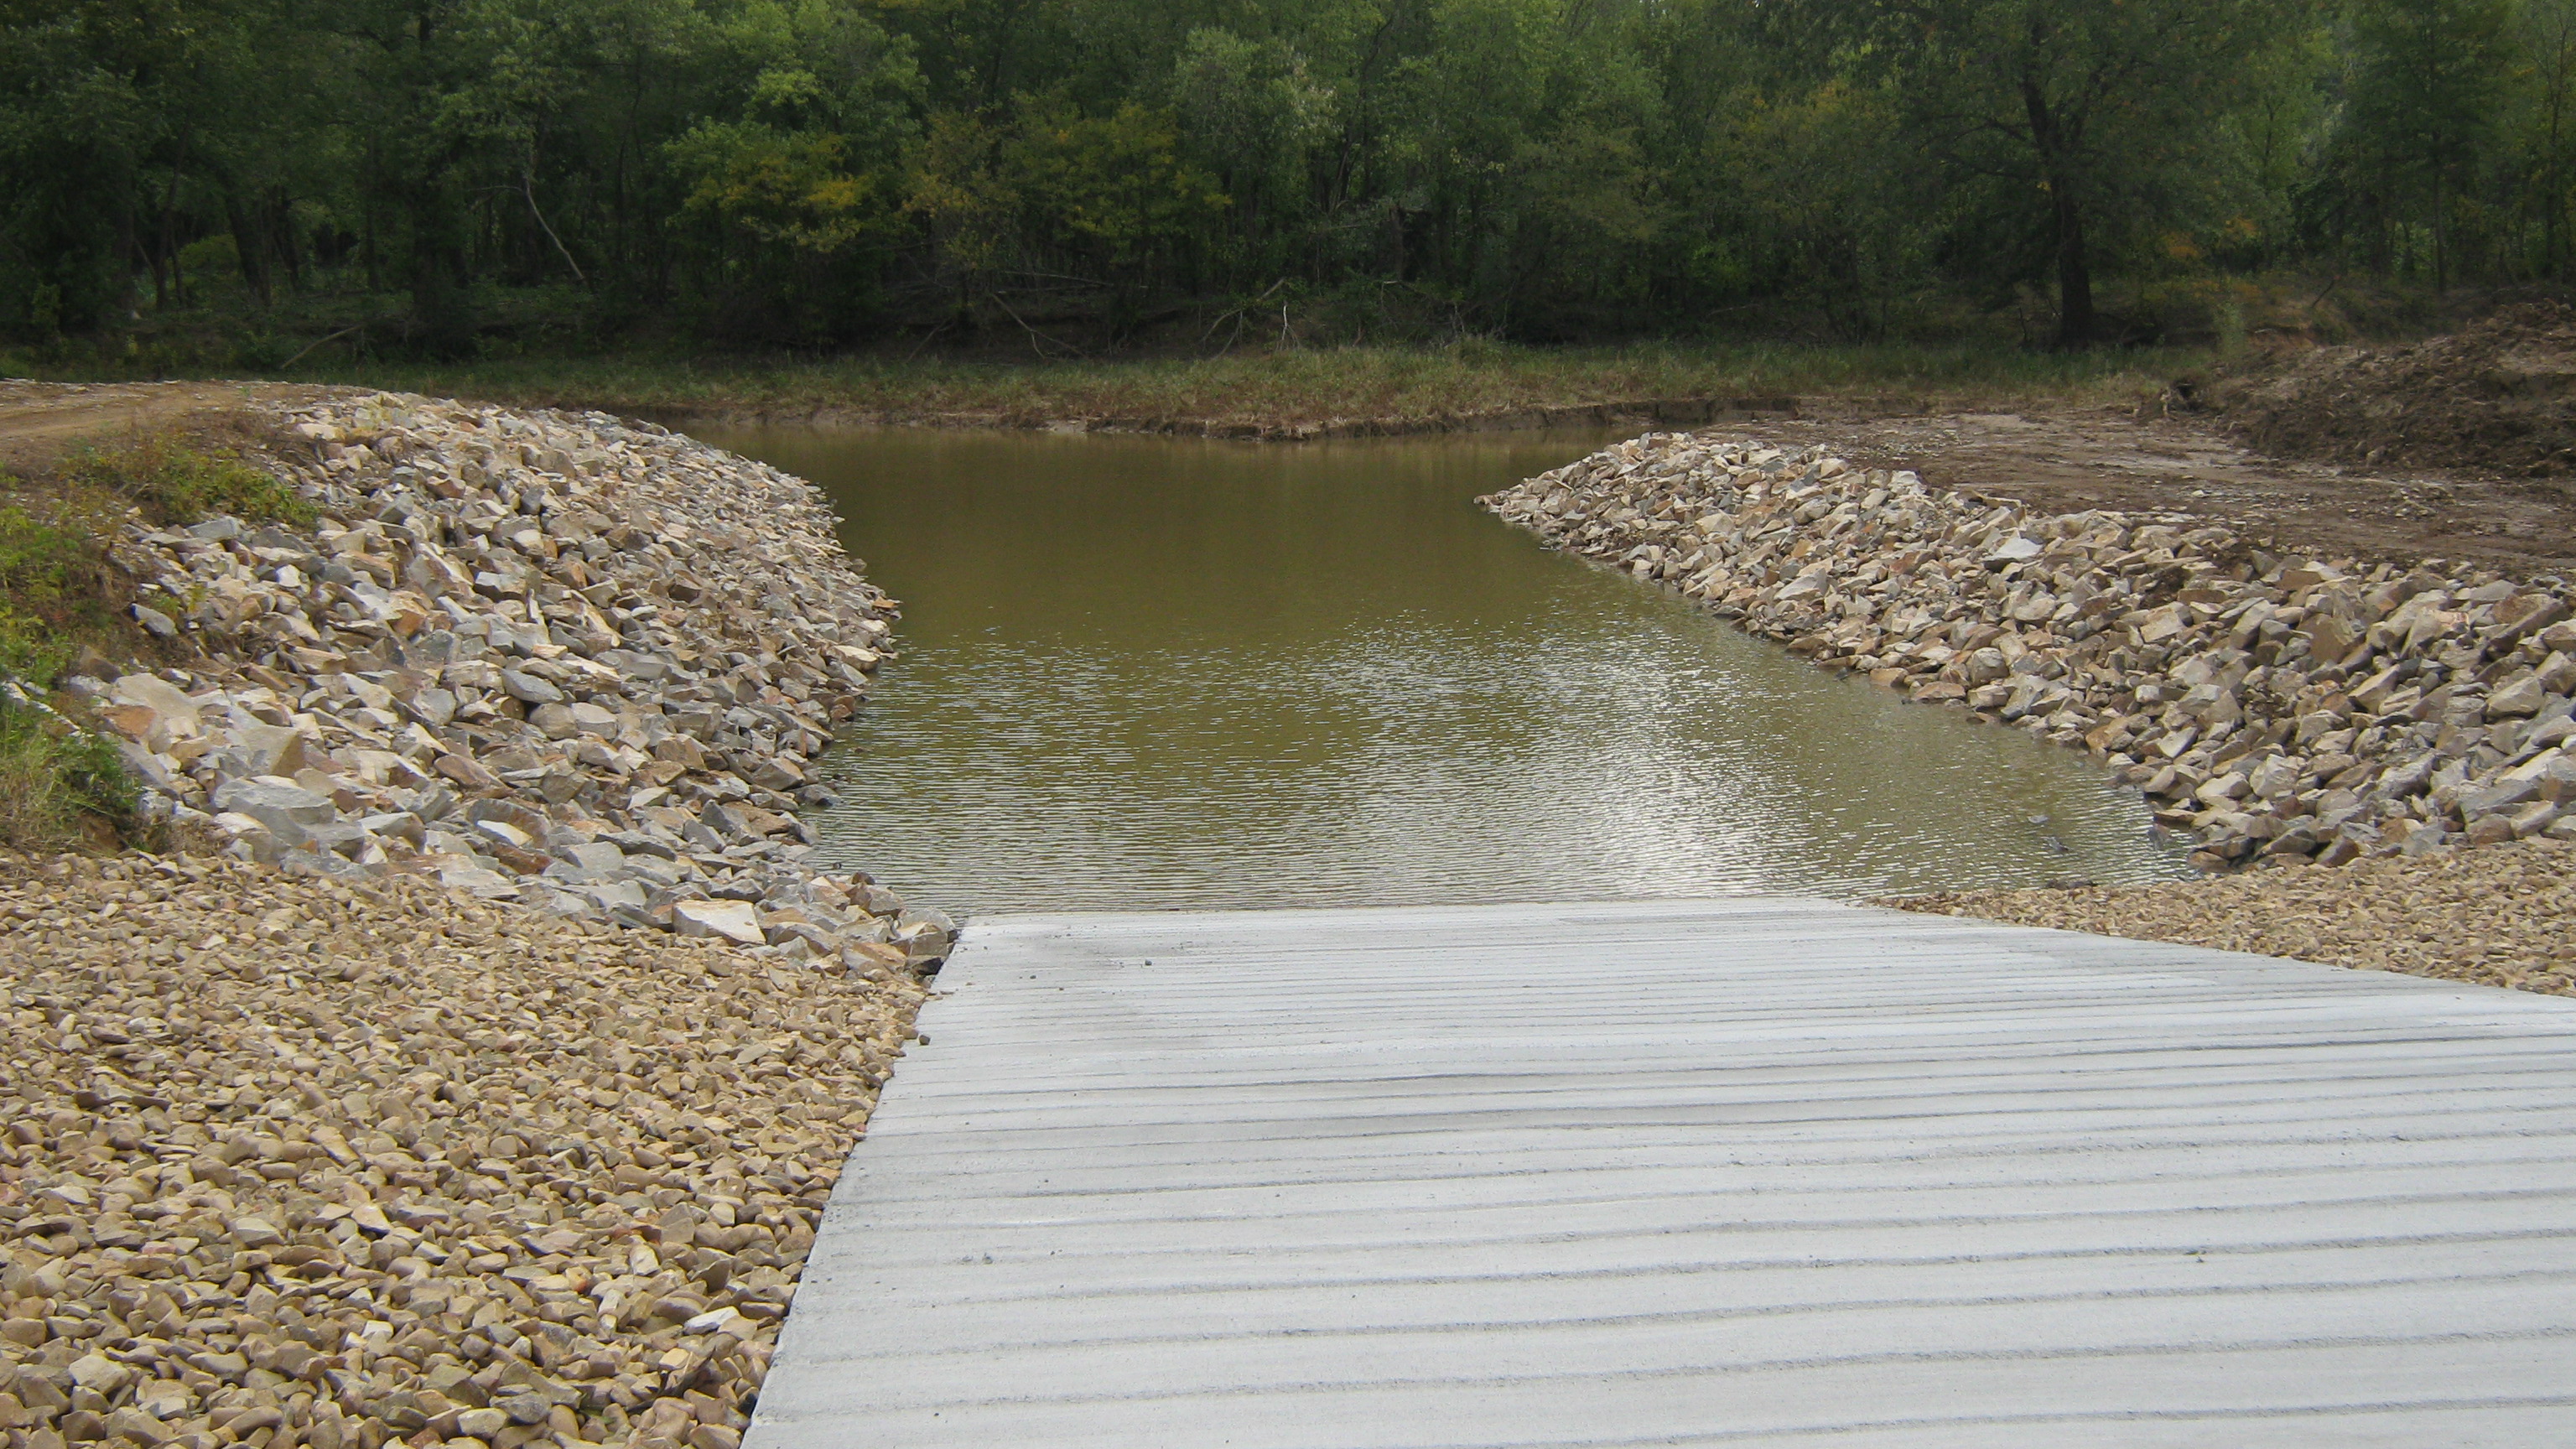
(39,420)
(2071,459)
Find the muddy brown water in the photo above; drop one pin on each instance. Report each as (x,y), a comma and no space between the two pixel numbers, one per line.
(1144,673)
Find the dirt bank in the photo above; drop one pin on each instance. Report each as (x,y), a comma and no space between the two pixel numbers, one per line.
(2068,459)
(2498,395)
(40,420)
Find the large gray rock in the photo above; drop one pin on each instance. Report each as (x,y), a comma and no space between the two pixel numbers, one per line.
(280,804)
(528,688)
(2520,699)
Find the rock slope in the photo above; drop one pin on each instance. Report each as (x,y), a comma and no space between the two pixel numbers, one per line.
(560,660)
(2274,705)
(322,1163)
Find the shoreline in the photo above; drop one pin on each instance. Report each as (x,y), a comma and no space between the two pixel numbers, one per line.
(2273,706)
(1356,391)
(1668,411)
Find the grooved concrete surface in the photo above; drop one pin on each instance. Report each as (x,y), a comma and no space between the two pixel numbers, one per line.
(1723,1172)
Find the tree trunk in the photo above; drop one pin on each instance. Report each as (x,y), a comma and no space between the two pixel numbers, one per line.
(2075,319)
(2441,236)
(250,245)
(281,212)
(167,284)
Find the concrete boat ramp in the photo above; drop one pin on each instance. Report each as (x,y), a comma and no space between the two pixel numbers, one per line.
(1677,1173)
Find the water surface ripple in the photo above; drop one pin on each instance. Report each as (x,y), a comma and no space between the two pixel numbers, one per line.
(1157,674)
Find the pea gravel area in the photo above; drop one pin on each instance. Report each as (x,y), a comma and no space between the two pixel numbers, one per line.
(306,1161)
(2498,915)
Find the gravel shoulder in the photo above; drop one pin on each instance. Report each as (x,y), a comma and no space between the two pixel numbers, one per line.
(2500,916)
(301,1161)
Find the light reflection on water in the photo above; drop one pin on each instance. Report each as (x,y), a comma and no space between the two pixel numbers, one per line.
(1157,674)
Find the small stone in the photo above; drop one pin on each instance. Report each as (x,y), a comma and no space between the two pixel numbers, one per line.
(718,1320)
(278,803)
(252,1232)
(2518,700)
(101,1375)
(525,1408)
(135,1425)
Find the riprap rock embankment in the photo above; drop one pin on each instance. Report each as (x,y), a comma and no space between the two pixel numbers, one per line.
(2272,703)
(582,665)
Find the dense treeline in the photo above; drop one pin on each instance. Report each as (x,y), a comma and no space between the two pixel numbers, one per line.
(821,171)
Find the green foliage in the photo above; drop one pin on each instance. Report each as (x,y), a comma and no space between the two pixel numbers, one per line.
(1112,187)
(820,172)
(176,483)
(52,572)
(51,775)
(41,561)
(2426,78)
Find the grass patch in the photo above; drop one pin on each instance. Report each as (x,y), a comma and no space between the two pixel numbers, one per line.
(57,593)
(174,482)
(63,600)
(55,779)
(1292,387)
(57,589)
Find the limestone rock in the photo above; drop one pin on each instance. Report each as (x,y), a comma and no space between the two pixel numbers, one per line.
(733,920)
(609,627)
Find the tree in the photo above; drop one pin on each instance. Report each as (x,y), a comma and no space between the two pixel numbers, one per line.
(1251,117)
(2546,36)
(2426,78)
(2101,109)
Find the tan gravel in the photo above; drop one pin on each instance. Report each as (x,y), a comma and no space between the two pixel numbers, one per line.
(2503,915)
(325,1162)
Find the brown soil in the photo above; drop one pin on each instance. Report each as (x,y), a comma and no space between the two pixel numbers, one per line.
(2499,394)
(2069,459)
